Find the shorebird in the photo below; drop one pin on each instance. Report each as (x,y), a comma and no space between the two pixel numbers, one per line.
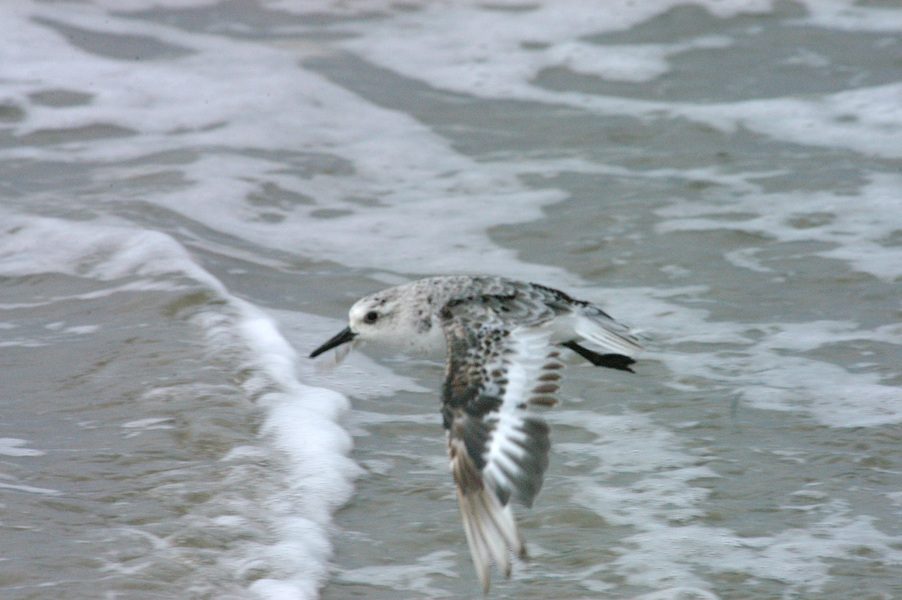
(503,340)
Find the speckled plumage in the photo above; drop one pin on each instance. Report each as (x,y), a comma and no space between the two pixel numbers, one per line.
(503,340)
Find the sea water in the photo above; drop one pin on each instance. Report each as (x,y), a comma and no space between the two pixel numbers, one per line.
(193,193)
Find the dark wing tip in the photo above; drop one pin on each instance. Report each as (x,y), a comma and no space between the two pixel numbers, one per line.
(621,362)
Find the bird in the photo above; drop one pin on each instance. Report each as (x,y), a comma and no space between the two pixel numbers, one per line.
(503,341)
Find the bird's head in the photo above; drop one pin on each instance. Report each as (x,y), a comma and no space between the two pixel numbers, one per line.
(372,318)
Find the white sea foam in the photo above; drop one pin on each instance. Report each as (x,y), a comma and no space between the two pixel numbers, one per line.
(398,172)
(766,362)
(16,447)
(666,506)
(800,559)
(866,120)
(392,160)
(301,421)
(514,50)
(510,52)
(856,230)
(30,245)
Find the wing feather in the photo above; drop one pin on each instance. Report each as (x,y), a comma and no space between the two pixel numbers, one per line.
(498,449)
(602,330)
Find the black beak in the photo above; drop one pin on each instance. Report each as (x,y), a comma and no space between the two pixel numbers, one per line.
(345,336)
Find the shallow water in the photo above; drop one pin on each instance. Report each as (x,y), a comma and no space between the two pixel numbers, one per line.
(192,194)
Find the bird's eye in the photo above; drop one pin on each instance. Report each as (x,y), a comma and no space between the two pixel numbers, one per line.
(371,317)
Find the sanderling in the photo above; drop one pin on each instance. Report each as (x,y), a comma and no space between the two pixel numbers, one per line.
(503,341)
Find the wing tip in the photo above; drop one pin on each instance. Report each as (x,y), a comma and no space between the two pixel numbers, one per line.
(490,528)
(621,362)
(491,534)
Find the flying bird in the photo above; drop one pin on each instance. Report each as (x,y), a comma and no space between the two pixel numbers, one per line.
(503,340)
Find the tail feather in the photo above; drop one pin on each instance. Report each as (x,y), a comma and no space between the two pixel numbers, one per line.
(607,334)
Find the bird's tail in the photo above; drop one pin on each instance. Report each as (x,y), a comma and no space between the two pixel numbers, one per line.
(608,334)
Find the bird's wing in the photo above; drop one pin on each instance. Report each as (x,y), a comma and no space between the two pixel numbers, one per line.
(498,448)
(590,323)
(575,322)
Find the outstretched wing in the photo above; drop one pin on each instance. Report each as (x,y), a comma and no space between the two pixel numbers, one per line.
(498,449)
